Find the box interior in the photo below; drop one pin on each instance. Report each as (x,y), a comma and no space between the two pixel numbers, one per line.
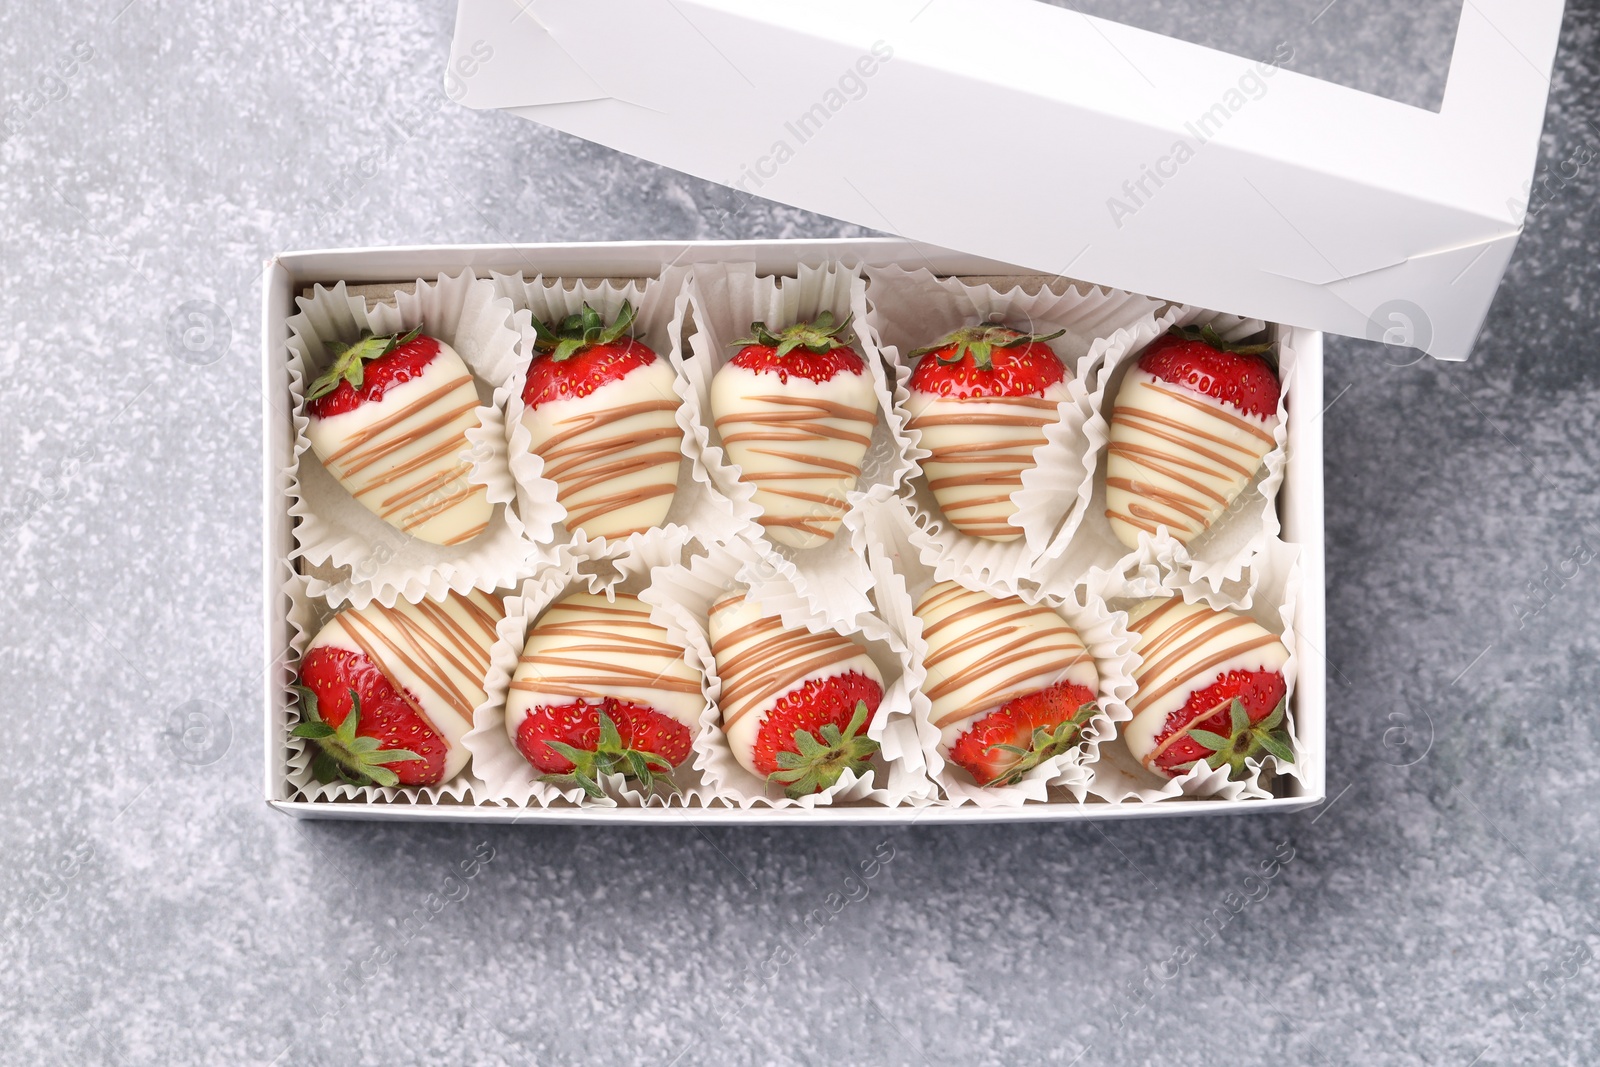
(1300,506)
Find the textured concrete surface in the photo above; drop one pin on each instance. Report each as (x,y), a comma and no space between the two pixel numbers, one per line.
(1440,909)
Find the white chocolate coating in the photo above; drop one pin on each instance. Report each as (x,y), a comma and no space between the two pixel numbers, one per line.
(980,447)
(984,651)
(586,647)
(1184,647)
(1177,458)
(435,653)
(614,453)
(406,456)
(800,443)
(759,662)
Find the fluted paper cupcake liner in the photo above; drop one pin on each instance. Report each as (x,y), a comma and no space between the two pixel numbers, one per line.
(1220,555)
(905,571)
(911,309)
(662,306)
(507,778)
(376,561)
(725,299)
(307,615)
(685,594)
(1271,601)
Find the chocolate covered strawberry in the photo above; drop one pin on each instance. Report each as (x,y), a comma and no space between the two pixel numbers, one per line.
(795,409)
(1210,688)
(1011,684)
(795,704)
(386,694)
(980,400)
(1190,428)
(601,410)
(389,419)
(601,690)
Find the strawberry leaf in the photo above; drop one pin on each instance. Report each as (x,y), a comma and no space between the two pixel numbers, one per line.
(816,766)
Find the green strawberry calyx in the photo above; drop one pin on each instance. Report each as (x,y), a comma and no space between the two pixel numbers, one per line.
(1244,741)
(342,755)
(818,336)
(815,765)
(610,756)
(1207,334)
(349,361)
(980,341)
(564,338)
(1045,744)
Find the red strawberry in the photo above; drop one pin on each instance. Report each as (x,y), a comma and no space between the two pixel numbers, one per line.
(364,371)
(980,401)
(580,353)
(1019,735)
(1238,717)
(815,350)
(365,730)
(602,413)
(814,733)
(987,360)
(795,410)
(390,421)
(576,743)
(1199,360)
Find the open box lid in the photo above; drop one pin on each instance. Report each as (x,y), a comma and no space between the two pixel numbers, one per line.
(1063,143)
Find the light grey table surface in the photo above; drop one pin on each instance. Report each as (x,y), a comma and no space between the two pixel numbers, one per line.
(1439,909)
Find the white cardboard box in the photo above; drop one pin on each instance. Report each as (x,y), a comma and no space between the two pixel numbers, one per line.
(1242,184)
(1299,505)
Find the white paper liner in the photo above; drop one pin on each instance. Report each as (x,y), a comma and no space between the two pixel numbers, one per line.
(685,595)
(889,531)
(508,779)
(1221,553)
(910,309)
(307,615)
(662,308)
(725,299)
(333,529)
(1270,600)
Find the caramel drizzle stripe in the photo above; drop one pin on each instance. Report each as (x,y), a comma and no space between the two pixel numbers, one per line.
(777,668)
(467,535)
(1226,416)
(608,638)
(408,435)
(367,433)
(1018,611)
(1199,669)
(480,615)
(577,516)
(1181,441)
(1004,690)
(476,651)
(582,424)
(1183,505)
(974,502)
(1169,648)
(619,674)
(1154,615)
(923,421)
(803,431)
(842,466)
(833,408)
(1000,477)
(371,653)
(1163,464)
(1135,414)
(605,472)
(433,658)
(1166,649)
(1148,527)
(972,672)
(580,460)
(1181,733)
(439,508)
(419,489)
(436,452)
(773,661)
